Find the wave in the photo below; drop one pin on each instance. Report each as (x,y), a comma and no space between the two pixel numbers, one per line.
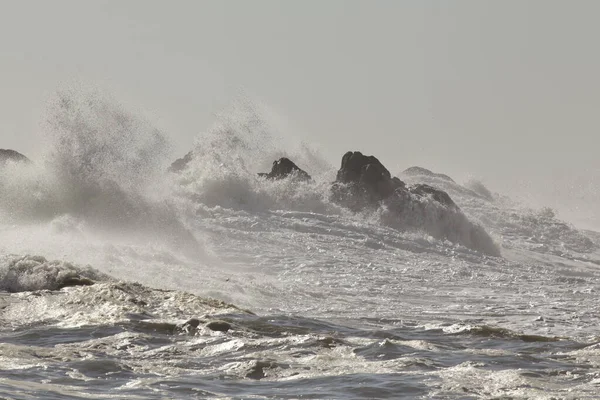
(222,168)
(29,273)
(221,172)
(93,298)
(515,225)
(102,165)
(488,331)
(106,169)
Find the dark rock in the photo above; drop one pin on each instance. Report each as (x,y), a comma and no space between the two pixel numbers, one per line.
(364,183)
(75,281)
(363,180)
(329,342)
(354,168)
(257,369)
(423,190)
(285,167)
(181,163)
(192,322)
(221,326)
(11,155)
(190,326)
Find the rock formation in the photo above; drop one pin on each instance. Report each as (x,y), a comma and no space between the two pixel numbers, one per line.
(11,155)
(438,195)
(363,181)
(180,164)
(283,168)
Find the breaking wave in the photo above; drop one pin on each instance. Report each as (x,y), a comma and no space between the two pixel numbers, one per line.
(102,166)
(29,273)
(106,170)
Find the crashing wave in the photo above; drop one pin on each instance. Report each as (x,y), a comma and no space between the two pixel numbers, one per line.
(536,230)
(103,166)
(29,273)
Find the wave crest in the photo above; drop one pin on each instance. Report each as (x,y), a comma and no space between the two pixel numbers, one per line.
(29,273)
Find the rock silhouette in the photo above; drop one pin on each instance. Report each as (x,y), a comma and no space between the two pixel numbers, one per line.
(438,195)
(363,181)
(364,184)
(285,167)
(181,163)
(7,155)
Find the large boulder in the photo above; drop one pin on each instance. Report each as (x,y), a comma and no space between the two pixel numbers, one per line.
(363,181)
(283,168)
(11,155)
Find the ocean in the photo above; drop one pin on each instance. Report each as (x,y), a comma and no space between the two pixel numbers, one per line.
(120,279)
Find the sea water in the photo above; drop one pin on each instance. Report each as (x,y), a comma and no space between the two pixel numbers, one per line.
(316,301)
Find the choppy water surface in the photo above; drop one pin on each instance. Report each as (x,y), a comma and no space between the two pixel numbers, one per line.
(118,280)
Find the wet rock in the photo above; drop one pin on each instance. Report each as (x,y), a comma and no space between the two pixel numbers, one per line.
(193,322)
(363,183)
(257,370)
(363,180)
(190,326)
(181,163)
(329,342)
(283,168)
(218,325)
(75,281)
(423,190)
(7,155)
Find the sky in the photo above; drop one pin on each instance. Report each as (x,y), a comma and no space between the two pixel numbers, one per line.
(503,91)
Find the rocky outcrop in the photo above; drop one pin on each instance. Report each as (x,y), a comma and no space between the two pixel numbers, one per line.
(181,163)
(7,155)
(283,168)
(363,181)
(423,190)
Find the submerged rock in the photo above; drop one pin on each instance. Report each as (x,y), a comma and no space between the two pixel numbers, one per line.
(190,326)
(75,281)
(218,325)
(12,155)
(283,168)
(257,369)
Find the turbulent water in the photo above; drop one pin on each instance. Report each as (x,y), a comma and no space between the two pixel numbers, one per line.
(119,279)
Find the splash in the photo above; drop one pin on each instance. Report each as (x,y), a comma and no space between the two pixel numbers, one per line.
(27,273)
(222,171)
(102,166)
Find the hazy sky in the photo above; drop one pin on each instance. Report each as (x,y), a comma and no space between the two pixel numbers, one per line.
(506,91)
